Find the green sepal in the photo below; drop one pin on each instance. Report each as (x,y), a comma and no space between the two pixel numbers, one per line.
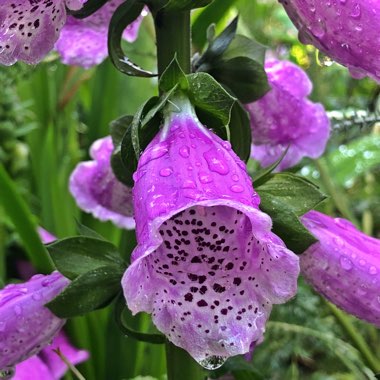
(88,232)
(285,197)
(121,322)
(139,135)
(244,76)
(118,129)
(88,8)
(173,76)
(124,15)
(216,46)
(299,194)
(263,174)
(242,46)
(207,94)
(75,256)
(240,131)
(88,292)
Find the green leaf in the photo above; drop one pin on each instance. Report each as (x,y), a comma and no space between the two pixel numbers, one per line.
(182,5)
(244,76)
(207,94)
(217,47)
(88,232)
(299,194)
(242,46)
(88,292)
(173,76)
(240,131)
(119,128)
(88,8)
(137,137)
(75,256)
(262,175)
(124,15)
(240,368)
(286,223)
(213,14)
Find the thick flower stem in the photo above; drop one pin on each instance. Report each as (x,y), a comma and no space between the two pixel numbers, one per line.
(355,337)
(181,366)
(173,37)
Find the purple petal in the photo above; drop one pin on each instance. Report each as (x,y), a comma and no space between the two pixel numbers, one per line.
(33,369)
(97,191)
(46,236)
(29,29)
(284,117)
(57,367)
(26,325)
(348,33)
(206,266)
(84,42)
(344,266)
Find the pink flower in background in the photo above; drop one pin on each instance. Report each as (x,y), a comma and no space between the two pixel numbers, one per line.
(346,30)
(29,29)
(84,42)
(96,189)
(344,266)
(26,325)
(207,266)
(285,117)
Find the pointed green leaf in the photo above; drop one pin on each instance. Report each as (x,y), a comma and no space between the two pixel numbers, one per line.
(173,76)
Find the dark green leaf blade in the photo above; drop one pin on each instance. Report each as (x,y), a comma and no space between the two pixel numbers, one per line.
(207,94)
(88,292)
(124,15)
(75,256)
(299,194)
(173,76)
(244,76)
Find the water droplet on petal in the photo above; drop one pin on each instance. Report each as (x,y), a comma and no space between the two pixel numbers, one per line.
(226,145)
(166,172)
(362,262)
(235,177)
(372,270)
(184,151)
(216,162)
(189,184)
(213,362)
(237,188)
(345,263)
(205,177)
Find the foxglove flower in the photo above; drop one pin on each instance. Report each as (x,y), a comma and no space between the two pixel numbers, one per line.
(346,31)
(207,267)
(96,189)
(84,42)
(344,266)
(26,325)
(47,365)
(285,117)
(29,29)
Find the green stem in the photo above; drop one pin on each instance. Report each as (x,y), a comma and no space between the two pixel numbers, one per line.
(339,198)
(181,366)
(356,338)
(173,37)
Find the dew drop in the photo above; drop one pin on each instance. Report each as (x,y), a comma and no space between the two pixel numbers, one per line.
(188,184)
(213,362)
(216,163)
(166,172)
(235,177)
(226,145)
(204,177)
(237,188)
(184,151)
(324,60)
(362,262)
(372,270)
(345,263)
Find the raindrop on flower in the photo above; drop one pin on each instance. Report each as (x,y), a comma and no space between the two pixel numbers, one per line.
(213,362)
(7,373)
